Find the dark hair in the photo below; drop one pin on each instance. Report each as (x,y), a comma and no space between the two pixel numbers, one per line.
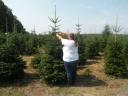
(73,37)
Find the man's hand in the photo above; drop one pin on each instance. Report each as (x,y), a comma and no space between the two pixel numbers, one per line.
(62,34)
(58,35)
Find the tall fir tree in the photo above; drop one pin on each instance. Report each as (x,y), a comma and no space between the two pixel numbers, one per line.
(51,67)
(116,28)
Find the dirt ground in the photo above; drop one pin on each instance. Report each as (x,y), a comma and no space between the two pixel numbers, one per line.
(96,84)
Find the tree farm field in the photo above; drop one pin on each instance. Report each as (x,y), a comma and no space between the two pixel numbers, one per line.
(98,84)
(37,36)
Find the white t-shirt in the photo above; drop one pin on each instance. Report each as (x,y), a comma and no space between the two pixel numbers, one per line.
(70,50)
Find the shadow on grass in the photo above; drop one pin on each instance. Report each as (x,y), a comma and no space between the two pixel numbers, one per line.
(88,81)
(88,62)
(29,78)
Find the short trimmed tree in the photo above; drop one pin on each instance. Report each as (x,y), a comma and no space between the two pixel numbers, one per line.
(52,70)
(25,43)
(114,62)
(92,48)
(11,65)
(51,67)
(125,52)
(81,51)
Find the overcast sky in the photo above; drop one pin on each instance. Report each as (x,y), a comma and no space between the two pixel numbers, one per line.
(93,14)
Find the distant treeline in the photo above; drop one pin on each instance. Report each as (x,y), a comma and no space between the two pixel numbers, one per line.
(8,21)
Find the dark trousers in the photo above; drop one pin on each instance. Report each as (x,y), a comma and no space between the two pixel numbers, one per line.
(70,68)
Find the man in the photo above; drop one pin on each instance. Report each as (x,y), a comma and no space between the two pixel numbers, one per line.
(70,55)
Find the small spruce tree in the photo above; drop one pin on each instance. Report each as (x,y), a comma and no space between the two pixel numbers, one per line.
(114,62)
(125,53)
(11,65)
(81,51)
(92,48)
